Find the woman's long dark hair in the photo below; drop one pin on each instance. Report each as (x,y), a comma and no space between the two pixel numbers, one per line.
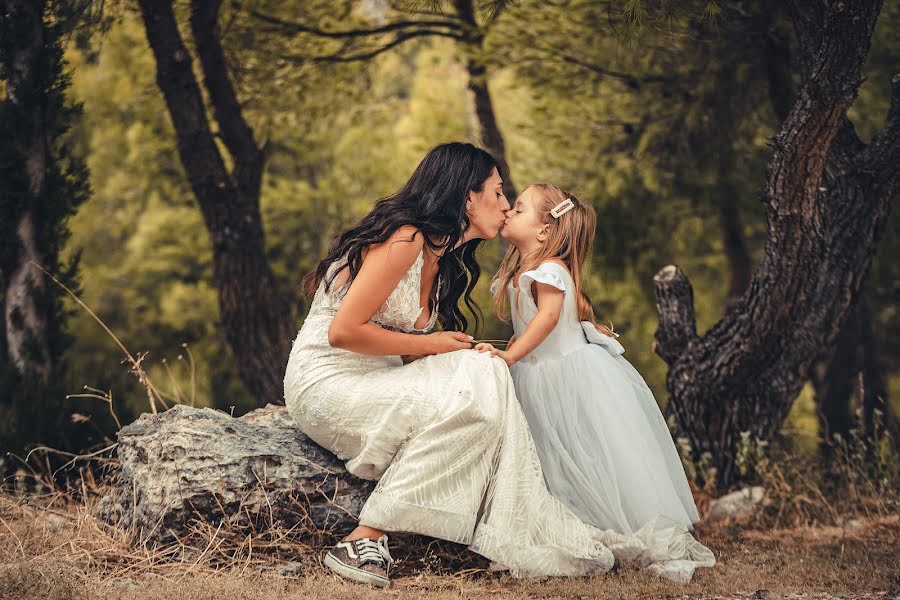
(434,201)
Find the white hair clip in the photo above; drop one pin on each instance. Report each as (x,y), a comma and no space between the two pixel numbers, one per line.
(562,208)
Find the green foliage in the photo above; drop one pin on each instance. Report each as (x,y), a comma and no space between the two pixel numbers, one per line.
(657,115)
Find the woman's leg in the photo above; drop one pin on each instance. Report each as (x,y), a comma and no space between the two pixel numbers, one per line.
(364,532)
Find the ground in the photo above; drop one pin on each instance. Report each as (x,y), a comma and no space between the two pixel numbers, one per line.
(54,553)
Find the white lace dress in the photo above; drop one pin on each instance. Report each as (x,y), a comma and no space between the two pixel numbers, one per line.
(446,440)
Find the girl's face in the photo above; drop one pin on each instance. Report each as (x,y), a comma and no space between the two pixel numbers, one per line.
(486,209)
(523,227)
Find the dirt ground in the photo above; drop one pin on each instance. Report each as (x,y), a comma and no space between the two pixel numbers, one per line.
(67,556)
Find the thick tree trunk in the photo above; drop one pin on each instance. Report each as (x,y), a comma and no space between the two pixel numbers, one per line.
(836,380)
(25,310)
(828,197)
(256,318)
(473,50)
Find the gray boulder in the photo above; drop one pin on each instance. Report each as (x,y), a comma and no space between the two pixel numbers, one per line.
(189,463)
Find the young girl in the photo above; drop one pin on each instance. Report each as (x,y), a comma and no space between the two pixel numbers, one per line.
(602,442)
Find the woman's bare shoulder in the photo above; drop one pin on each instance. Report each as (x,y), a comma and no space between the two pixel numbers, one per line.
(403,245)
(410,234)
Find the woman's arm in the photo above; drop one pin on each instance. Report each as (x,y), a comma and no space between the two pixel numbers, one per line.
(382,268)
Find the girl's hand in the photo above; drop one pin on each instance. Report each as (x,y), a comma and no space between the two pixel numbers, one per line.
(485,347)
(448,341)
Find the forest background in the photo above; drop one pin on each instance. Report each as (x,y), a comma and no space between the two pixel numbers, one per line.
(663,120)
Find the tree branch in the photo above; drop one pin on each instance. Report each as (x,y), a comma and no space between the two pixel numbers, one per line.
(202,161)
(295,27)
(831,81)
(883,154)
(237,135)
(627,78)
(338,58)
(807,17)
(675,307)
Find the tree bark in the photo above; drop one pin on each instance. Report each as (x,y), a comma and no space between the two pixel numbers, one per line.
(256,318)
(473,52)
(828,197)
(25,309)
(835,379)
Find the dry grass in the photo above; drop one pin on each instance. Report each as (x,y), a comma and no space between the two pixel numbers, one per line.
(51,547)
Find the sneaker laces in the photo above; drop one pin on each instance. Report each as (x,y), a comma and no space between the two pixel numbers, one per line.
(375,552)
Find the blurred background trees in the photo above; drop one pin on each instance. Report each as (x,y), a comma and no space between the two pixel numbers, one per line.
(663,118)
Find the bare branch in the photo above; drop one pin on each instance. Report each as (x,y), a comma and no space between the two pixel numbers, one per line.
(296,27)
(340,58)
(627,78)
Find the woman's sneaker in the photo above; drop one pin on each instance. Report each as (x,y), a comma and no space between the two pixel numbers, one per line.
(363,560)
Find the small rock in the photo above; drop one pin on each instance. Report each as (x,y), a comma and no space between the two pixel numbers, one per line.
(737,505)
(285,569)
(56,522)
(126,582)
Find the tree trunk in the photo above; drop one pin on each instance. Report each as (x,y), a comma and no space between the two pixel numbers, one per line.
(853,371)
(837,379)
(25,310)
(828,197)
(256,318)
(473,51)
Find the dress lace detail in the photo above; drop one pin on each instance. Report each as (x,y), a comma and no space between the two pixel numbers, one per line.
(399,312)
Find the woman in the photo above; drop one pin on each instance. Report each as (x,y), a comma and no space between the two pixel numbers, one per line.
(434,421)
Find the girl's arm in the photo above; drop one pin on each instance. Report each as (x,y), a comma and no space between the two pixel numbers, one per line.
(382,268)
(549,303)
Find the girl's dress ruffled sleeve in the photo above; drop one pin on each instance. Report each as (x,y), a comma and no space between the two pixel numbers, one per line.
(548,273)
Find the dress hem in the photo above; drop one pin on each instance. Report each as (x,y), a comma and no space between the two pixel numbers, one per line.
(393,515)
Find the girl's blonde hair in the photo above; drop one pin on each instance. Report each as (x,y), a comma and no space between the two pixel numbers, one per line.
(569,239)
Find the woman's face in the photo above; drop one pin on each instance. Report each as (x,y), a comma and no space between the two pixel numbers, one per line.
(486,209)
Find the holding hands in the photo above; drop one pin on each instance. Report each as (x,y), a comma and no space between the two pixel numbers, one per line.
(504,354)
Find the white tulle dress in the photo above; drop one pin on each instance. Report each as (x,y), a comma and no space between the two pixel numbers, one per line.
(447,441)
(603,444)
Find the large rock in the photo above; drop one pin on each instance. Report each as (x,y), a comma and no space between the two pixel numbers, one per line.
(198,462)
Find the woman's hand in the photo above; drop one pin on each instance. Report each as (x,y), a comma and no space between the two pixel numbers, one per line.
(448,341)
(506,356)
